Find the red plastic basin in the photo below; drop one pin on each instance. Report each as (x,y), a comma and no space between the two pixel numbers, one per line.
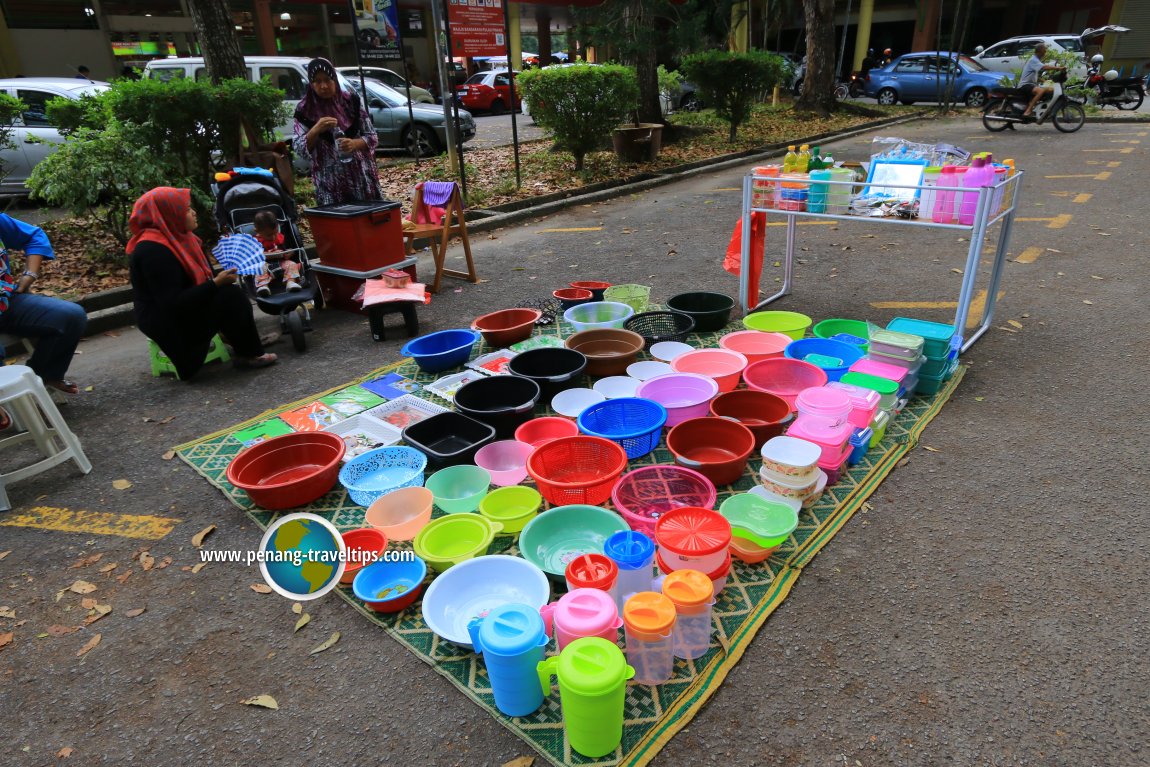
(288,471)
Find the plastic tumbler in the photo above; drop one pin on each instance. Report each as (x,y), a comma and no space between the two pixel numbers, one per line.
(593,676)
(693,595)
(649,623)
(511,639)
(633,553)
(593,571)
(582,613)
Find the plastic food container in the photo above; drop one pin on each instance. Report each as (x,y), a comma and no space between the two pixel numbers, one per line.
(441,351)
(936,335)
(459,489)
(789,456)
(723,365)
(795,488)
(864,402)
(683,395)
(554,369)
(717,448)
(831,437)
(693,538)
(886,388)
(388,586)
(539,431)
(758,520)
(367,543)
(711,311)
(912,367)
(513,507)
(478,586)
(635,424)
(401,514)
(765,414)
(645,494)
(880,369)
(817,491)
(693,596)
(608,350)
(767,495)
(507,326)
(577,470)
(649,623)
(938,367)
(373,474)
(452,539)
(448,439)
(502,402)
(755,345)
(792,324)
(290,470)
(890,343)
(784,377)
(838,356)
(824,402)
(834,469)
(598,315)
(878,426)
(860,444)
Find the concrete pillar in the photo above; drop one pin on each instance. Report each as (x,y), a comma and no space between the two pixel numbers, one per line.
(265,27)
(926,25)
(1109,41)
(739,41)
(862,35)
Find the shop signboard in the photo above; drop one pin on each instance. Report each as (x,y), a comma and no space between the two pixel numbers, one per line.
(376,26)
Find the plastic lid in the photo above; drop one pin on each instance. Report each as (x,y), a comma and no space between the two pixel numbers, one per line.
(932,331)
(592,571)
(861,397)
(862,436)
(648,612)
(691,531)
(821,430)
(592,666)
(511,629)
(758,517)
(819,400)
(872,382)
(688,588)
(896,338)
(586,611)
(630,549)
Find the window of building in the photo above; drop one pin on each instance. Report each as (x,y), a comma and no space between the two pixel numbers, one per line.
(49,14)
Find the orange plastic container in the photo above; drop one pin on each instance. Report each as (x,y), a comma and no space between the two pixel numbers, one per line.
(360,236)
(402,513)
(366,543)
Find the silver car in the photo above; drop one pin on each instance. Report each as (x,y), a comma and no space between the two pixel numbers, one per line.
(428,134)
(33,135)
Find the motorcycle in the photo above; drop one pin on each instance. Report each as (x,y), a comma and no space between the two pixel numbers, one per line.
(1110,90)
(857,85)
(1005,107)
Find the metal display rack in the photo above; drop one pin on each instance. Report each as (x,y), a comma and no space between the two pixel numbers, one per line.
(996,204)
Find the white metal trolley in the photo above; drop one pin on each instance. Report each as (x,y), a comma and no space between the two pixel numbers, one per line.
(996,204)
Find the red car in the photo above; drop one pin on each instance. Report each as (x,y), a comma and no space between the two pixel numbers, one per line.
(487,92)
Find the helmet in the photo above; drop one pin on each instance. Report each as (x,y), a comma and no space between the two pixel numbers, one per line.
(1096,58)
(978,49)
(1111,75)
(886,51)
(870,51)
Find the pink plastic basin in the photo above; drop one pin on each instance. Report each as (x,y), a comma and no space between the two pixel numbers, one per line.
(784,377)
(505,461)
(684,395)
(756,345)
(722,365)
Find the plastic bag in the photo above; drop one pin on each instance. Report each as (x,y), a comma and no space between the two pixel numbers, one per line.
(732,261)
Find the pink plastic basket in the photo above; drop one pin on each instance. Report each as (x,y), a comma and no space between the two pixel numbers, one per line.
(784,377)
(643,495)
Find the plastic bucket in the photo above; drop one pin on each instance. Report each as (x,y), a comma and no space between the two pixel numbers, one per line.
(503,402)
(555,369)
(711,311)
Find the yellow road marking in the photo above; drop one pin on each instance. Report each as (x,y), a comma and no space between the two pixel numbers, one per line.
(1028,256)
(92,522)
(574,229)
(977,306)
(804,223)
(1113,163)
(1054,222)
(1127,150)
(1126,141)
(1128,133)
(1084,197)
(1103,176)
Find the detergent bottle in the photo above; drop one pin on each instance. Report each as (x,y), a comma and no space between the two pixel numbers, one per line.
(973,180)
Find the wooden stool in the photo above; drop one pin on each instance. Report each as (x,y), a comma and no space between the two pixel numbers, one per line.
(22,393)
(161,364)
(376,313)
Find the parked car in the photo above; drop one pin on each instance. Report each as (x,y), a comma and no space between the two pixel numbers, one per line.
(488,92)
(921,76)
(426,136)
(1009,55)
(392,80)
(34,136)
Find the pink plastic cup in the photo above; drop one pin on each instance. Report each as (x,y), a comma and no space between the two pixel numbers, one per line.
(723,365)
(505,461)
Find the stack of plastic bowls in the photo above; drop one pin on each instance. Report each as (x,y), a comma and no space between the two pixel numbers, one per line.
(940,351)
(692,538)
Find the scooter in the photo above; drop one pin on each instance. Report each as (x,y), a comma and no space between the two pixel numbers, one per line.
(1110,90)
(1006,106)
(857,84)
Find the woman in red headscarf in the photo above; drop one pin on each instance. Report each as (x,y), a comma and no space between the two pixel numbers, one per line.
(179,303)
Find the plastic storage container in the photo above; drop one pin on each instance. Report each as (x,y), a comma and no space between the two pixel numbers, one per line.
(764,186)
(593,676)
(936,335)
(886,388)
(649,624)
(945,208)
(878,426)
(860,444)
(817,198)
(895,344)
(824,402)
(880,369)
(693,596)
(789,456)
(448,439)
(582,613)
(693,538)
(633,553)
(511,638)
(358,235)
(926,197)
(830,437)
(864,402)
(593,571)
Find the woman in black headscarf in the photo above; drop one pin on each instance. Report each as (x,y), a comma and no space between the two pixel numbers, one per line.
(330,122)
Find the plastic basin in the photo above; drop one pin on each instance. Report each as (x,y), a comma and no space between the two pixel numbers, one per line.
(554,368)
(448,439)
(597,287)
(378,472)
(453,539)
(505,461)
(506,326)
(477,586)
(290,470)
(792,324)
(755,345)
(847,354)
(598,315)
(715,447)
(683,395)
(723,365)
(608,350)
(389,586)
(513,506)
(539,431)
(569,297)
(367,543)
(459,489)
(555,537)
(833,327)
(502,402)
(645,494)
(401,514)
(711,311)
(765,414)
(440,351)
(784,377)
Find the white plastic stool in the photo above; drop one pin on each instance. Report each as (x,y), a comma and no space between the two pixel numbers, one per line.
(23,395)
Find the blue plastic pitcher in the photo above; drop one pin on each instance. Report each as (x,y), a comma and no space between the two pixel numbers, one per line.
(511,639)
(634,553)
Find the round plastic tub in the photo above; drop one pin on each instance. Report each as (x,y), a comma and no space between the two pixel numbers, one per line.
(833,327)
(539,431)
(452,539)
(368,543)
(553,368)
(597,288)
(513,507)
(505,461)
(389,586)
(644,495)
(794,487)
(657,327)
(502,402)
(765,414)
(847,354)
(784,377)
(459,489)
(692,538)
(635,296)
(711,311)
(572,402)
(440,351)
(569,297)
(748,552)
(401,514)
(718,576)
(290,470)
(683,395)
(507,326)
(792,324)
(476,587)
(378,472)
(555,537)
(579,469)
(717,448)
(635,424)
(824,402)
(755,345)
(598,315)
(608,350)
(617,387)
(723,365)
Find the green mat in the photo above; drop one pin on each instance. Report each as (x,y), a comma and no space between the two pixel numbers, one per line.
(652,714)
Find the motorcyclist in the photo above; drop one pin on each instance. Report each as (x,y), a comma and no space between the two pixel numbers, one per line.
(1030,74)
(868,63)
(887,57)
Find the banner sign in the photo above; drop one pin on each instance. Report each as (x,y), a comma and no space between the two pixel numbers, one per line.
(476,28)
(376,26)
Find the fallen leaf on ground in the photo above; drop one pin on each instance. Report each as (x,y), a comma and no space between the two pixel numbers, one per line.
(88,388)
(89,560)
(7,612)
(261,588)
(263,701)
(82,587)
(198,538)
(65,752)
(121,484)
(108,567)
(136,612)
(902,463)
(303,621)
(89,602)
(98,612)
(1095,277)
(326,645)
(520,761)
(169,419)
(91,645)
(1088,302)
(931,449)
(297,608)
(956,271)
(121,578)
(6,638)
(5,553)
(199,566)
(168,455)
(59,630)
(164,563)
(147,561)
(1014,323)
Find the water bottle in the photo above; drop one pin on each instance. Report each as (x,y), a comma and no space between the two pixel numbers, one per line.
(593,676)
(816,161)
(790,160)
(649,623)
(693,595)
(511,640)
(633,553)
(336,134)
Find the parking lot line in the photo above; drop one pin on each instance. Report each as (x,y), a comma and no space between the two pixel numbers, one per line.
(1103,176)
(1053,222)
(1127,150)
(1081,198)
(92,522)
(1028,256)
(573,229)
(977,306)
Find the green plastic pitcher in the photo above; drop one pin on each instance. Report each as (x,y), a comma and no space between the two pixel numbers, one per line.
(593,676)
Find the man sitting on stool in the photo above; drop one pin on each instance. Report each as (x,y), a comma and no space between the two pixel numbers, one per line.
(1034,67)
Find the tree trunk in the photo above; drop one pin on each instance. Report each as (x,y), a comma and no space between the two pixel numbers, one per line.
(818,94)
(216,34)
(646,65)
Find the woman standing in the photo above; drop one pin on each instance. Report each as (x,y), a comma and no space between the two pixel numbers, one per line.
(334,131)
(179,304)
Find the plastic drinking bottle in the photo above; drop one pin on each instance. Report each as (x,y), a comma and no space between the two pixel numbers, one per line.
(512,639)
(790,160)
(973,179)
(593,678)
(582,613)
(649,623)
(633,553)
(336,134)
(944,198)
(816,161)
(593,571)
(930,178)
(804,159)
(693,595)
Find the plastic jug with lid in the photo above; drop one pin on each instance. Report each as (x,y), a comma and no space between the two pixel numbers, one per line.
(944,199)
(973,179)
(633,553)
(511,639)
(593,676)
(693,596)
(582,613)
(648,623)
(593,571)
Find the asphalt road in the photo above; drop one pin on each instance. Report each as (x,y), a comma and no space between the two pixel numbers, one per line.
(988,608)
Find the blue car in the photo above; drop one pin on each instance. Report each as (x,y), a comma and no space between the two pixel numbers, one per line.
(922,76)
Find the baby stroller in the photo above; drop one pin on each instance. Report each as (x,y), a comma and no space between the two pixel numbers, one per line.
(238,199)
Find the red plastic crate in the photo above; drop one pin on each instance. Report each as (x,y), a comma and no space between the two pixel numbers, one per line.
(360,236)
